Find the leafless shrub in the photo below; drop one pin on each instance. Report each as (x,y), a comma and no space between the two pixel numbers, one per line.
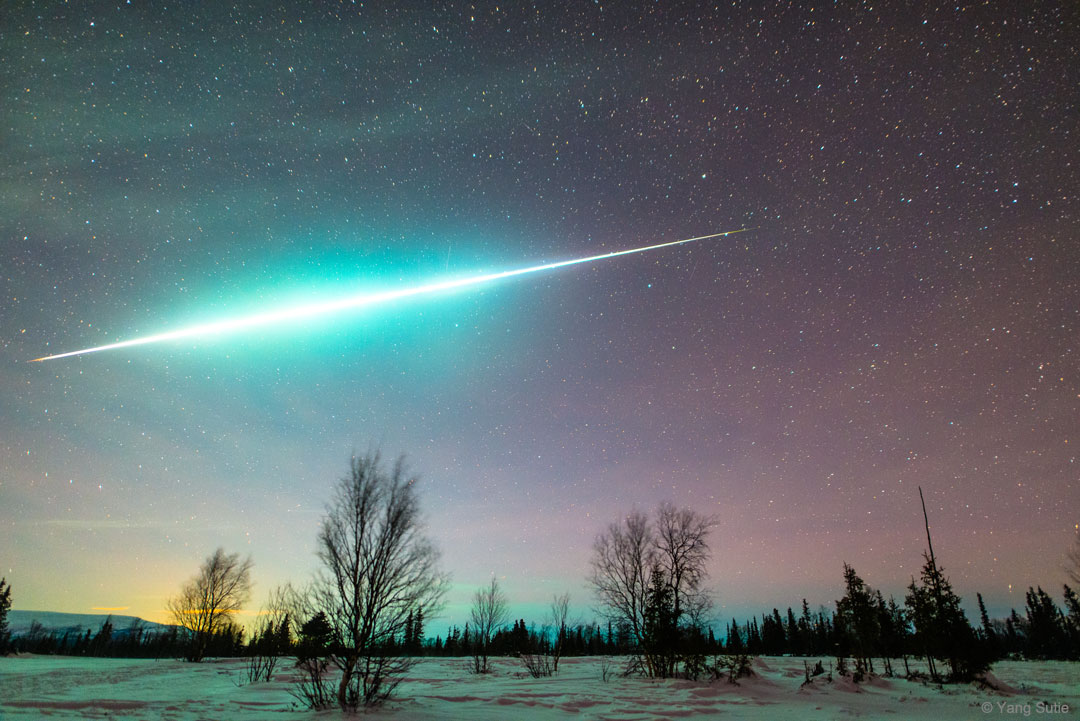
(607,668)
(313,689)
(544,660)
(259,669)
(810,673)
(734,666)
(539,665)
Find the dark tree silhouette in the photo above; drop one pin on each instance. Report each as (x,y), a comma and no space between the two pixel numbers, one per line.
(489,613)
(377,568)
(989,635)
(682,551)
(627,556)
(622,557)
(207,602)
(1046,629)
(312,687)
(560,616)
(5,606)
(942,630)
(893,623)
(660,640)
(858,615)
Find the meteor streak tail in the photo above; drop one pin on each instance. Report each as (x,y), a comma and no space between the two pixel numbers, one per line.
(362,300)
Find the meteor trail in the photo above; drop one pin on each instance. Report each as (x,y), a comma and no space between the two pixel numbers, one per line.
(363,300)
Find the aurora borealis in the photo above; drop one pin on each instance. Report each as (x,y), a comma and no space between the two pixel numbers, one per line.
(904,314)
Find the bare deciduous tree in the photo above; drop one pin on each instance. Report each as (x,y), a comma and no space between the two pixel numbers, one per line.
(560,617)
(209,600)
(377,568)
(622,557)
(636,564)
(489,613)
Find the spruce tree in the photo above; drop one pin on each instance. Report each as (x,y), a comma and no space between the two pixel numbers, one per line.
(942,631)
(772,634)
(823,634)
(941,628)
(100,643)
(753,638)
(989,636)
(806,630)
(1045,627)
(1014,632)
(660,628)
(858,614)
(792,645)
(5,606)
(1010,640)
(734,641)
(779,638)
(315,637)
(283,637)
(893,624)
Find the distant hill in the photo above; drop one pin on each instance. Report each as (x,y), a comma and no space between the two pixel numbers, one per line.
(19,622)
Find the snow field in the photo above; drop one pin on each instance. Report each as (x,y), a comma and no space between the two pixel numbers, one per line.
(60,687)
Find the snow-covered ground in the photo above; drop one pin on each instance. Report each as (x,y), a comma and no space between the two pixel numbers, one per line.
(59,687)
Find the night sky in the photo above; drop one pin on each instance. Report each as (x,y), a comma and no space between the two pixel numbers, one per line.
(905,312)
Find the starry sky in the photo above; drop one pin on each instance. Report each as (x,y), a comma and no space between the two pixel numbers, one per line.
(904,313)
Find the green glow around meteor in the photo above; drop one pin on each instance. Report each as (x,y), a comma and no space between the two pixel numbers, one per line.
(359,301)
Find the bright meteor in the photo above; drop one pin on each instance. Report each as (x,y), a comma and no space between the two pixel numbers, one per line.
(361,301)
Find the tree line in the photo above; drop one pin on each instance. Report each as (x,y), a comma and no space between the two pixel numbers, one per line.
(362,621)
(135,641)
(1043,631)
